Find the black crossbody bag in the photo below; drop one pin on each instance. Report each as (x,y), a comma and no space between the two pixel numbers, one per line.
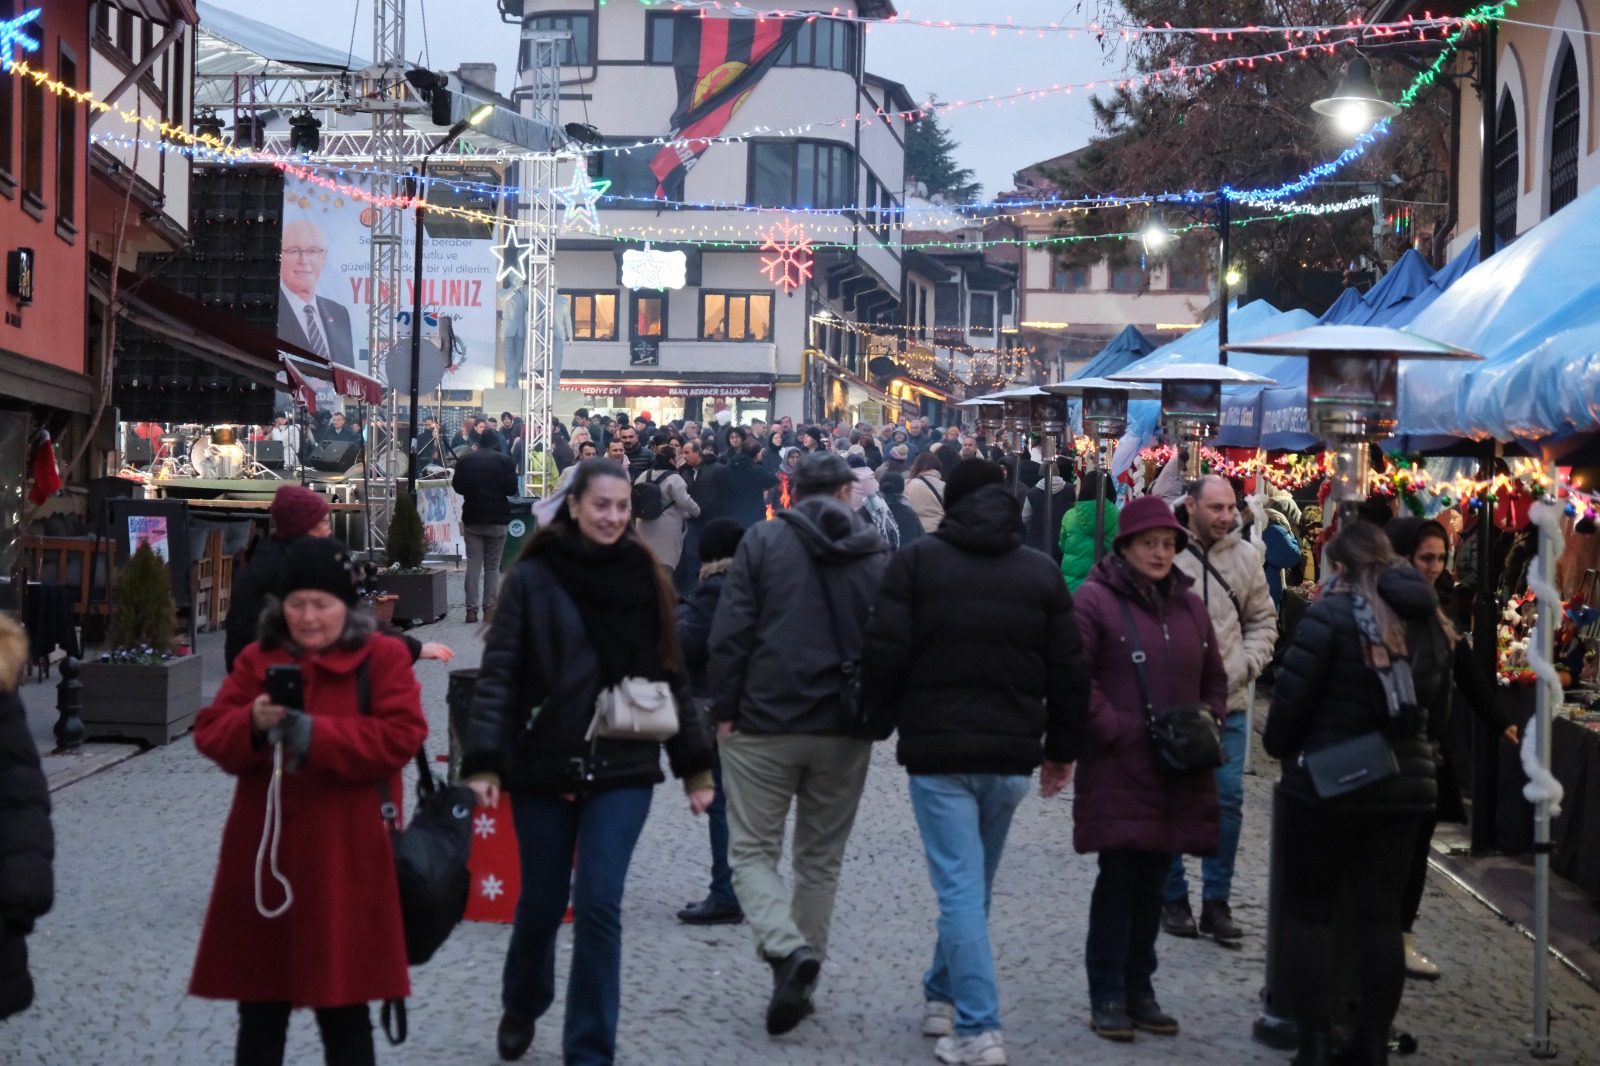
(860,722)
(1186,736)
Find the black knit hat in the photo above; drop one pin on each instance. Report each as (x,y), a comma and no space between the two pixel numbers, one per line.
(322,564)
(720,539)
(969,476)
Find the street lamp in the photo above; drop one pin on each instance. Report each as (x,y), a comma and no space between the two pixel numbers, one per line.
(1157,237)
(1356,104)
(418,195)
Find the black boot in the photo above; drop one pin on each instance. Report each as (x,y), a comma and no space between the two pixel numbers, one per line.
(794,978)
(1316,1047)
(514,1037)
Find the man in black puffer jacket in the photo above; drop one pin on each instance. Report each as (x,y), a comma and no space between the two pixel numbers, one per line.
(977,707)
(27,844)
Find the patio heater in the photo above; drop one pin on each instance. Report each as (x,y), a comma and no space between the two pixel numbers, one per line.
(1352,401)
(1017,416)
(1105,420)
(1191,403)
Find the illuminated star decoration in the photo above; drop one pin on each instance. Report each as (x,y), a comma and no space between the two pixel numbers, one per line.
(579,197)
(513,255)
(11,33)
(650,269)
(789,265)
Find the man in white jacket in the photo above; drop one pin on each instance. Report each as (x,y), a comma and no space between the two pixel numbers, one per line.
(1228,575)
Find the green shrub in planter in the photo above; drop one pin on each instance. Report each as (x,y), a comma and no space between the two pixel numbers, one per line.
(142,608)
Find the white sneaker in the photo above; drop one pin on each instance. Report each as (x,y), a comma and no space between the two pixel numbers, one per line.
(1418,964)
(983,1049)
(938,1019)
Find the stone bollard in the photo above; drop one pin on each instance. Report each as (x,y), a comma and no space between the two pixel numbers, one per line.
(69,703)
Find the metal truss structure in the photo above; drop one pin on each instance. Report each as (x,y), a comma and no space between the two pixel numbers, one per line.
(540,373)
(387,146)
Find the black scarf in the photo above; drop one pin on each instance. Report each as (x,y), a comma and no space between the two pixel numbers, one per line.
(1153,593)
(614,587)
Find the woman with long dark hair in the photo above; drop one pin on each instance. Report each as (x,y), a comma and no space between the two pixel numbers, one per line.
(586,607)
(1368,666)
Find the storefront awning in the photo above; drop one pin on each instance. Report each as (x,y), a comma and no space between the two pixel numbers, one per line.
(198,330)
(350,384)
(674,389)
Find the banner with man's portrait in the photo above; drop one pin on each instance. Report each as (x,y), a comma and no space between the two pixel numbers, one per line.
(325,288)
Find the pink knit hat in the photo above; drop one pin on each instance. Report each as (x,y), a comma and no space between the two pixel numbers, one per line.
(1147,513)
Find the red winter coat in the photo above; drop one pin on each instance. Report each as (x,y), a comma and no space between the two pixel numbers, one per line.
(341,941)
(1121,798)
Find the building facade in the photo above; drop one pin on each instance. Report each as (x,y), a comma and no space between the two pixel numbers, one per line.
(1546,149)
(731,336)
(1068,314)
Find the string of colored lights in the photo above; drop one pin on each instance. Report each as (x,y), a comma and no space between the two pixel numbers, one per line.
(1283,191)
(1008,25)
(878,332)
(1369,200)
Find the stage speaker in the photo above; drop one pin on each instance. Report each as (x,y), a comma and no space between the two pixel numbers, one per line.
(269,453)
(335,456)
(137,451)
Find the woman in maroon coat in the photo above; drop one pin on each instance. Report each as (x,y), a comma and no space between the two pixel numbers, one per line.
(316,921)
(1124,806)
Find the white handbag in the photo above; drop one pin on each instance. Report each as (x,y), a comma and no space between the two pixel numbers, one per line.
(635,709)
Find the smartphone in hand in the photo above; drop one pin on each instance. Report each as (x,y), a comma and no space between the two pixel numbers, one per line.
(286,686)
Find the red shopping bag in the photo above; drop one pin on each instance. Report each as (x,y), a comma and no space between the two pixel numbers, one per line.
(495,866)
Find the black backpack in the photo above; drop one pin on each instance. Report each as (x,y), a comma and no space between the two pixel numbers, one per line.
(430,862)
(648,500)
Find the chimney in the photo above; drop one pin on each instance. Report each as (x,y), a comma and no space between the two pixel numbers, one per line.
(479,76)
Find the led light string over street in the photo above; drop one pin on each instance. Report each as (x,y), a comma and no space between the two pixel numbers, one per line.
(881,332)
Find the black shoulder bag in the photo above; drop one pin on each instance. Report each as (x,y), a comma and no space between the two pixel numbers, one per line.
(1205,561)
(1186,736)
(430,862)
(860,722)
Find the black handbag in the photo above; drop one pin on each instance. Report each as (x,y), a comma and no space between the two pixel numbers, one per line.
(860,722)
(1349,765)
(1186,735)
(430,862)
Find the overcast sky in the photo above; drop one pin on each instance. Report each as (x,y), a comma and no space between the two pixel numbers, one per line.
(951,64)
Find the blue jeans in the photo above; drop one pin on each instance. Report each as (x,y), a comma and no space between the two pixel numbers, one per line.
(964,819)
(717,821)
(1217,872)
(1124,918)
(601,829)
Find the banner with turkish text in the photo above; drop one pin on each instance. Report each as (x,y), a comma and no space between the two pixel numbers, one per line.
(719,62)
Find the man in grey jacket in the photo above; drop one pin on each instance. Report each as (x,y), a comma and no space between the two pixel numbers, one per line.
(1228,576)
(793,612)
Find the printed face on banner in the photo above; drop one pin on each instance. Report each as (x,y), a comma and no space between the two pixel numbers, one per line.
(325,285)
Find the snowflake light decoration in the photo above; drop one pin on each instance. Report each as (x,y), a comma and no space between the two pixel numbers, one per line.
(789,265)
(579,196)
(513,255)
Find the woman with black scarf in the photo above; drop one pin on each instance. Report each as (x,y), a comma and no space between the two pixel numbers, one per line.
(586,607)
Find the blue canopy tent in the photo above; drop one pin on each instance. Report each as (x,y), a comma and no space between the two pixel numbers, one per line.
(1390,298)
(1505,308)
(1345,309)
(1124,348)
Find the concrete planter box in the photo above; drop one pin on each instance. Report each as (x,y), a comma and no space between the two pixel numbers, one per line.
(153,704)
(423,597)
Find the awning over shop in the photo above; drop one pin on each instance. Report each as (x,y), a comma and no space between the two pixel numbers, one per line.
(350,384)
(676,389)
(196,329)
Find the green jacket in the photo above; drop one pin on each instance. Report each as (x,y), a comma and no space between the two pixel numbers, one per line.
(1077,540)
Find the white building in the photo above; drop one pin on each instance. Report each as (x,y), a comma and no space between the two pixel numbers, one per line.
(730,338)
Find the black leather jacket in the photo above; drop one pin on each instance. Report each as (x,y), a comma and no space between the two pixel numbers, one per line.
(538,656)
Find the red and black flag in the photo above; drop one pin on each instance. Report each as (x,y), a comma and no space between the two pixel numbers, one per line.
(718,63)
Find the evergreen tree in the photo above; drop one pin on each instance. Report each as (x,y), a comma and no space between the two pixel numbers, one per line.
(142,608)
(406,543)
(931,158)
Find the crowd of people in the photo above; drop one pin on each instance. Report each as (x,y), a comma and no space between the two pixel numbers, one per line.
(776,601)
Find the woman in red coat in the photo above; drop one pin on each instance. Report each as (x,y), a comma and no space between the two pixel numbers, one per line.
(1124,806)
(315,922)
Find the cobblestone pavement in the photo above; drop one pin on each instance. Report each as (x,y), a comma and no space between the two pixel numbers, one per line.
(138,845)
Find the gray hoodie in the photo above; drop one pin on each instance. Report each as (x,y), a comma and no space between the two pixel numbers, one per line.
(775,661)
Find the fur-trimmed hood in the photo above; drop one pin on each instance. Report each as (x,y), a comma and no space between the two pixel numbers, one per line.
(13,654)
(717,566)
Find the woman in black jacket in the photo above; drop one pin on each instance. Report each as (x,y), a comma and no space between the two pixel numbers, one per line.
(27,844)
(1370,656)
(586,607)
(747,482)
